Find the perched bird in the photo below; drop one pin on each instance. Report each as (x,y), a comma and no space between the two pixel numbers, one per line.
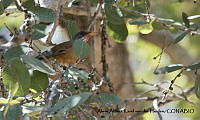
(64,52)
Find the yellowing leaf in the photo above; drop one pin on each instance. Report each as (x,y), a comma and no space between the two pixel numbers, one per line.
(146,28)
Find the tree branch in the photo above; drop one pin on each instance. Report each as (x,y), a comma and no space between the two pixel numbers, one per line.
(185,93)
(178,54)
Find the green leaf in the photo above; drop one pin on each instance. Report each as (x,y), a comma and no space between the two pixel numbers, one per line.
(118,32)
(32,109)
(81,49)
(37,35)
(14,89)
(39,27)
(14,112)
(28,3)
(138,22)
(39,81)
(168,69)
(38,31)
(72,28)
(109,99)
(16,52)
(1,116)
(7,3)
(43,14)
(75,72)
(112,14)
(1,8)
(109,1)
(197,86)
(37,64)
(173,29)
(185,19)
(10,101)
(140,5)
(193,67)
(181,36)
(17,73)
(69,103)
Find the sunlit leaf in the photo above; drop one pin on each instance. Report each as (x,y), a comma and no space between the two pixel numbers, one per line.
(173,29)
(181,36)
(37,64)
(16,72)
(146,28)
(39,81)
(168,69)
(81,49)
(68,103)
(132,29)
(13,20)
(11,102)
(185,19)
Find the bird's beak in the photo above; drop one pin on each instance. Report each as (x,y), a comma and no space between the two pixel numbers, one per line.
(91,34)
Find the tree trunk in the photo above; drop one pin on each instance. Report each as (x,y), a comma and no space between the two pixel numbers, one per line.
(119,71)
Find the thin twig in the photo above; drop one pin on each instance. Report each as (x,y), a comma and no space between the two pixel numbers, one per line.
(173,98)
(94,17)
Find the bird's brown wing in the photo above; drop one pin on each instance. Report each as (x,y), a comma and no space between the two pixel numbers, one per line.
(61,48)
(64,53)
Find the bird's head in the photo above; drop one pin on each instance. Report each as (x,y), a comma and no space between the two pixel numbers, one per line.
(83,35)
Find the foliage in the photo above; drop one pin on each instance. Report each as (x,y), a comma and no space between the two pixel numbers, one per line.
(32,89)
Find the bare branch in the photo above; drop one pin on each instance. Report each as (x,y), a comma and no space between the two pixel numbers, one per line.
(171,98)
(178,54)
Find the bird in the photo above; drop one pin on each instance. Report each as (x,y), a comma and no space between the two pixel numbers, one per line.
(64,52)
